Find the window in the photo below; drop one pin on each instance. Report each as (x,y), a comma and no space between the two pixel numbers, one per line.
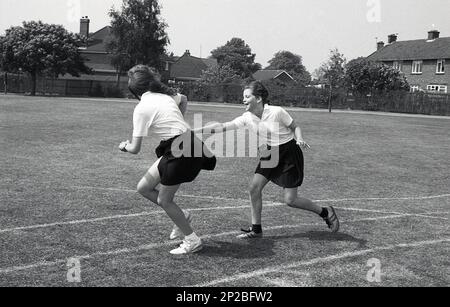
(417,67)
(415,88)
(398,65)
(440,68)
(437,88)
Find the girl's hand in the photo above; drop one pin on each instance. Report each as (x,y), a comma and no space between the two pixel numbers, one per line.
(123,145)
(303,144)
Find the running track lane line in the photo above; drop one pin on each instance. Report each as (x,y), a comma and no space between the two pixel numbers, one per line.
(233,199)
(151,246)
(275,269)
(149,213)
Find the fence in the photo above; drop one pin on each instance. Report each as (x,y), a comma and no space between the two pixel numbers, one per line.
(401,101)
(20,83)
(404,102)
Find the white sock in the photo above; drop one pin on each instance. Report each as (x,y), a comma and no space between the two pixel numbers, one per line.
(192,237)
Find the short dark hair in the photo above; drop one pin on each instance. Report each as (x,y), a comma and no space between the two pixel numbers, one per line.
(259,90)
(143,78)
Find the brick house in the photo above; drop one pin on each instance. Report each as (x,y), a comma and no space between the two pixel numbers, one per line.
(422,61)
(176,69)
(95,53)
(188,68)
(267,74)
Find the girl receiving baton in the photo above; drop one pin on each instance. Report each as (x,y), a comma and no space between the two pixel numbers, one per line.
(285,137)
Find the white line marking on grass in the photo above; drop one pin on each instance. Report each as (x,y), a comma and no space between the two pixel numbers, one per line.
(233,199)
(278,268)
(148,213)
(114,217)
(438,212)
(151,246)
(392,212)
(178,195)
(385,198)
(279,282)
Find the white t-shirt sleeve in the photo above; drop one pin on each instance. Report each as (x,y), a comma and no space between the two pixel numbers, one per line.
(241,121)
(178,98)
(141,123)
(284,117)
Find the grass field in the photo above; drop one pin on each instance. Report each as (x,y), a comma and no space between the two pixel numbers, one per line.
(67,192)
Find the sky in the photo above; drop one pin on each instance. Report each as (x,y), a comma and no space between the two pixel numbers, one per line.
(309,28)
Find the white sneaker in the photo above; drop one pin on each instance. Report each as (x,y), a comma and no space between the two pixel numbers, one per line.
(188,247)
(176,231)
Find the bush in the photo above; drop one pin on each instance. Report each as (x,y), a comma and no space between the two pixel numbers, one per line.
(114,92)
(97,91)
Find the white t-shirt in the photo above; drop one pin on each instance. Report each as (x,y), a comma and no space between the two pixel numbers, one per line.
(160,114)
(272,127)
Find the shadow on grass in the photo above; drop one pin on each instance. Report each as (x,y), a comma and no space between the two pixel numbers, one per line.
(251,249)
(323,236)
(263,248)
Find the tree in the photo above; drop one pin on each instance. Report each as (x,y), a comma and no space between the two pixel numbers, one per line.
(237,55)
(219,75)
(41,49)
(292,64)
(138,35)
(364,77)
(333,71)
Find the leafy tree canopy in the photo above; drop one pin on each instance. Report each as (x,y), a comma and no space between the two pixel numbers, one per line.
(41,49)
(219,75)
(237,55)
(291,63)
(333,70)
(365,77)
(139,34)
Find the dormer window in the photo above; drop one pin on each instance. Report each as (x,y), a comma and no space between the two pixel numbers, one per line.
(440,68)
(398,65)
(417,67)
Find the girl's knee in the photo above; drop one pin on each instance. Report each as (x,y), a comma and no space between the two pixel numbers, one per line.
(164,202)
(142,187)
(290,199)
(146,185)
(255,190)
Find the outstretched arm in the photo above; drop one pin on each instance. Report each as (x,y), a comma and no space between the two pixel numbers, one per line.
(133,147)
(217,128)
(183,104)
(298,135)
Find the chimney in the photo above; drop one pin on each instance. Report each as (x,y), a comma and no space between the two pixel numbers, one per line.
(380,45)
(84,26)
(433,34)
(392,38)
(187,52)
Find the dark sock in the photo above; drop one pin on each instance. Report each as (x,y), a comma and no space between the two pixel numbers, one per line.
(324,213)
(257,228)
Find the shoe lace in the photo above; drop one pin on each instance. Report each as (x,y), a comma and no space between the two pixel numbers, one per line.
(184,245)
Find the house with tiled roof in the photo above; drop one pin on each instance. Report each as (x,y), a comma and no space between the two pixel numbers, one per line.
(95,53)
(188,68)
(422,61)
(184,68)
(269,74)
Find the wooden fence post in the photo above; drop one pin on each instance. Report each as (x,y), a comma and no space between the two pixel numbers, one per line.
(66,86)
(447,107)
(5,83)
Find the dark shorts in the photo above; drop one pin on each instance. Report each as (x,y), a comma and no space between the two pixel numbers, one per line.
(185,164)
(289,171)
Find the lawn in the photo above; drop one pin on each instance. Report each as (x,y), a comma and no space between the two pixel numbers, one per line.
(68,192)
